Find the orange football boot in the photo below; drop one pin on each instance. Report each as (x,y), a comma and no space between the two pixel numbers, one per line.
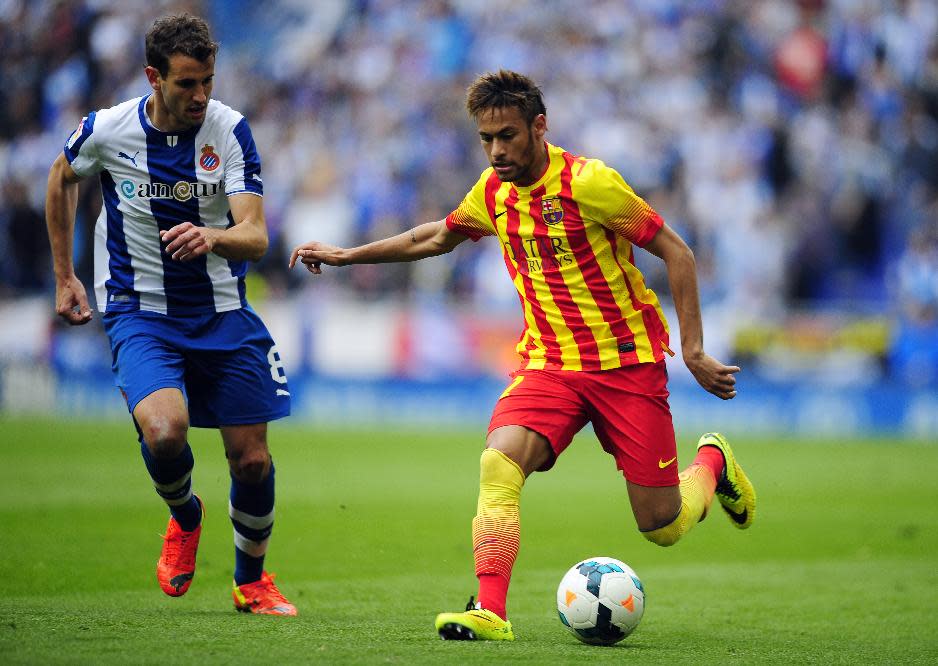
(261,597)
(176,566)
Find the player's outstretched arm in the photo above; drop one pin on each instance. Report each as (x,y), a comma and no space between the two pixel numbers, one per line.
(427,240)
(245,241)
(71,299)
(715,377)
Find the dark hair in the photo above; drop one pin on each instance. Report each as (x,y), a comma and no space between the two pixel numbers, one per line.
(505,89)
(180,33)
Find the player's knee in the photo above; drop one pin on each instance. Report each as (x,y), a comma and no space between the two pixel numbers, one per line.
(251,467)
(165,436)
(497,467)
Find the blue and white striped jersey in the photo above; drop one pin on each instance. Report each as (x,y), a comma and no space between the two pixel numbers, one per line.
(152,181)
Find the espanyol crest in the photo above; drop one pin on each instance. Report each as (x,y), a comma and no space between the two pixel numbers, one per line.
(210,159)
(551,210)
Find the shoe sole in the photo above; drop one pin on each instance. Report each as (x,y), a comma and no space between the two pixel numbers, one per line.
(748,496)
(250,612)
(452,631)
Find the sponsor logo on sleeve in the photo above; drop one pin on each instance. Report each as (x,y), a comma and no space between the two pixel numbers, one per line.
(77,133)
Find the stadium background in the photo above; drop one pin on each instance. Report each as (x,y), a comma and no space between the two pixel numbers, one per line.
(793,144)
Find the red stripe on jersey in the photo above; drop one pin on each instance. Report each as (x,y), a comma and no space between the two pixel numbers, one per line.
(491,189)
(547,335)
(492,186)
(653,324)
(586,344)
(589,266)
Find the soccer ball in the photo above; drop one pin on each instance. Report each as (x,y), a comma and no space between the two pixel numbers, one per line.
(601,600)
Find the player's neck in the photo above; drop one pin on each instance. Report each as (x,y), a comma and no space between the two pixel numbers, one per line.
(538,167)
(159,115)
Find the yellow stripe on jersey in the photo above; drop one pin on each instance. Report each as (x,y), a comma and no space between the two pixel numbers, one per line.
(611,200)
(531,330)
(569,353)
(592,316)
(611,266)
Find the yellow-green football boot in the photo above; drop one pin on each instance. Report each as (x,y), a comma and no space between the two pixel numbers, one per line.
(475,624)
(735,492)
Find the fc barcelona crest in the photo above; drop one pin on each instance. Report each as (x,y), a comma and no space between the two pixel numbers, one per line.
(551,210)
(210,159)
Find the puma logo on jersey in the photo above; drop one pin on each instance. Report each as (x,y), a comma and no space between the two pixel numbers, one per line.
(128,157)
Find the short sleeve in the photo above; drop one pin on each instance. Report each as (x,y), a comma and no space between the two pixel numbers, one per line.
(81,148)
(607,198)
(242,163)
(472,218)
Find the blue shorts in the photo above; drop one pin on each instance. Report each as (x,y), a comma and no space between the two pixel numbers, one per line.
(226,364)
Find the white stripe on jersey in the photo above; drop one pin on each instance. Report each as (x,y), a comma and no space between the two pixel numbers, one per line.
(147,268)
(101,270)
(214,213)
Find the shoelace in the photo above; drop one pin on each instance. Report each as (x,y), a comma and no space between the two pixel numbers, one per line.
(176,546)
(274,596)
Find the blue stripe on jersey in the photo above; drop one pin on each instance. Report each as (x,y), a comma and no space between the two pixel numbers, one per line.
(252,161)
(120,283)
(72,147)
(187,284)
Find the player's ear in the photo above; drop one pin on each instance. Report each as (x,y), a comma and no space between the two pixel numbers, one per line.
(540,126)
(153,76)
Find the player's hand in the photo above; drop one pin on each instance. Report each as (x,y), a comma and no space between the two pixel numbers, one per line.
(715,377)
(185,241)
(71,301)
(313,254)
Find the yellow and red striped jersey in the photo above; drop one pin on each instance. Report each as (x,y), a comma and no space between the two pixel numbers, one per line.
(567,243)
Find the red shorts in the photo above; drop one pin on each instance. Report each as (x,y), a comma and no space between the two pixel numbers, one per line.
(628,408)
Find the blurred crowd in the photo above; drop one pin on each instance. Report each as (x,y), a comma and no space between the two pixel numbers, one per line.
(794,144)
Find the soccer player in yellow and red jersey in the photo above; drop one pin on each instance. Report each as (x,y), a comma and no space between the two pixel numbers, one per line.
(594,340)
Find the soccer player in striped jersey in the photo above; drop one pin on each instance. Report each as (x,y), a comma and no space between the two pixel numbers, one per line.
(182,216)
(594,340)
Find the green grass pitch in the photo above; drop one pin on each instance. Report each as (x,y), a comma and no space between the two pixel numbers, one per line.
(372,539)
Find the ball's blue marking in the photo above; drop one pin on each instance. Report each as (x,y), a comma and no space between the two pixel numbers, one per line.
(594,573)
(638,583)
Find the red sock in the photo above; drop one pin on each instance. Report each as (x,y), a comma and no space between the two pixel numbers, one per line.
(712,458)
(493,591)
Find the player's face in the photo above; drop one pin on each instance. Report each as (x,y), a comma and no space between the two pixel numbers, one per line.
(515,148)
(184,93)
